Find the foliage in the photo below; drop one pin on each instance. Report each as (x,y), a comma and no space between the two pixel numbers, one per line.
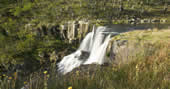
(20,45)
(148,69)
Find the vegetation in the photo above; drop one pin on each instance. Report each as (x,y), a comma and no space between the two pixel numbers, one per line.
(24,47)
(148,69)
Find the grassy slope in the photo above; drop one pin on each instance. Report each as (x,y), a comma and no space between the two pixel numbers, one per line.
(14,17)
(149,69)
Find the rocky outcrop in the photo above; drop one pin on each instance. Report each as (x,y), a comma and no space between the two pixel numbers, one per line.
(127,46)
(119,51)
(72,31)
(75,30)
(42,30)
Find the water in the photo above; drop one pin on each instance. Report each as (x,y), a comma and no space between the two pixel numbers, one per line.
(94,45)
(91,50)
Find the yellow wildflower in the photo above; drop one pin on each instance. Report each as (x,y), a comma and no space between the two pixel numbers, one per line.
(137,67)
(25,82)
(45,72)
(15,75)
(10,78)
(70,87)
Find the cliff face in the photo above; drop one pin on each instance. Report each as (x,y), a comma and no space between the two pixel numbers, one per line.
(72,31)
(127,46)
(75,30)
(122,48)
(138,45)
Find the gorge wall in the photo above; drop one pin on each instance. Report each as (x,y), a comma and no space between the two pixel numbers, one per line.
(75,30)
(72,31)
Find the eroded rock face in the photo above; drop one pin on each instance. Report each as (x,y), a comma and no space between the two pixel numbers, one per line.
(126,47)
(75,30)
(118,47)
(72,31)
(121,51)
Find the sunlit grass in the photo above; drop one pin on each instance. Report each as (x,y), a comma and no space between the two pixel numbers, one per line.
(148,69)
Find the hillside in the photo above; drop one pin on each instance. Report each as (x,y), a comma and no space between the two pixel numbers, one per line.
(33,41)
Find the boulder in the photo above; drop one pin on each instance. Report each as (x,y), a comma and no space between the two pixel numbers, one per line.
(118,47)
(82,55)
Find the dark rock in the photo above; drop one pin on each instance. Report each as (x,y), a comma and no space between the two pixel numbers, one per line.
(44,29)
(52,30)
(83,55)
(39,32)
(3,32)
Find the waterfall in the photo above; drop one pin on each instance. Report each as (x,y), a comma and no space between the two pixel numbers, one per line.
(91,50)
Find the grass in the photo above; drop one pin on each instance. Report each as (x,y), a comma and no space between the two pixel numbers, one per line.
(18,44)
(148,69)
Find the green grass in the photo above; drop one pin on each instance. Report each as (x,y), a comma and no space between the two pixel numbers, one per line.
(148,69)
(19,45)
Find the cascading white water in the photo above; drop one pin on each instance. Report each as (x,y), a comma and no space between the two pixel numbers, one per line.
(92,50)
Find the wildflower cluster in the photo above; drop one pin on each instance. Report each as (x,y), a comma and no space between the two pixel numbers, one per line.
(70,87)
